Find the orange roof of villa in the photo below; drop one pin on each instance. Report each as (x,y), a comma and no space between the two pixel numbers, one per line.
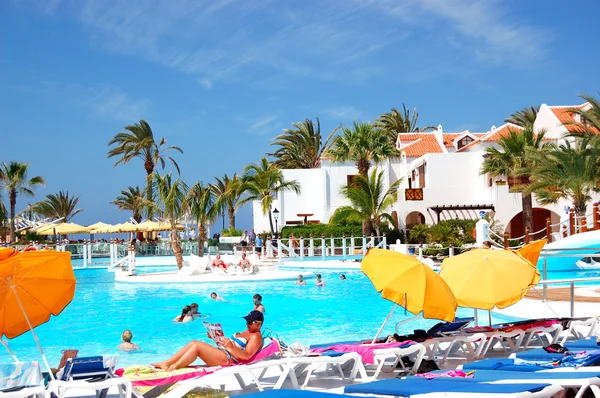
(565,117)
(502,131)
(419,145)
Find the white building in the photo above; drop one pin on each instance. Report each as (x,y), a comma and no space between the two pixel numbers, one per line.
(438,171)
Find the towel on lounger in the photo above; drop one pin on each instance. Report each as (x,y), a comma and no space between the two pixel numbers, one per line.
(367,352)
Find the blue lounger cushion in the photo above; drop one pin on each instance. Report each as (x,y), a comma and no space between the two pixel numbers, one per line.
(501,364)
(585,344)
(325,345)
(290,394)
(85,368)
(538,354)
(418,385)
(495,375)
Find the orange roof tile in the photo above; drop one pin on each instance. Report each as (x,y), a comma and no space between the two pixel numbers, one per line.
(450,137)
(565,117)
(502,131)
(415,145)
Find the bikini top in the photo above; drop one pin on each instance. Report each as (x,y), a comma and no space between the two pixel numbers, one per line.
(240,342)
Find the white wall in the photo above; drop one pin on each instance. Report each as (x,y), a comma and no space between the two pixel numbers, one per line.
(547,120)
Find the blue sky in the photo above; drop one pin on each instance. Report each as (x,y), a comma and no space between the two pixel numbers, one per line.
(222,78)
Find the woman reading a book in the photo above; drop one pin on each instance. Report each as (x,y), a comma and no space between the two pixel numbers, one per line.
(227,352)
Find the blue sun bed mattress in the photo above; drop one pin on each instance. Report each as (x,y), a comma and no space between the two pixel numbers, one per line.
(290,394)
(507,364)
(419,385)
(496,375)
(539,354)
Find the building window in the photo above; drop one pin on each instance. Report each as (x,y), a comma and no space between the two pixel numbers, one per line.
(350,179)
(464,141)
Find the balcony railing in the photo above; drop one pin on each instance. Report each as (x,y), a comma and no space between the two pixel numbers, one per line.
(413,194)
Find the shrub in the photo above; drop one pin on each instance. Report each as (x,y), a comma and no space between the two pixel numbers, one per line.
(232,232)
(212,242)
(418,233)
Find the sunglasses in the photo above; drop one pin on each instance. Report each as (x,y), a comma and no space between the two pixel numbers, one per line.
(252,322)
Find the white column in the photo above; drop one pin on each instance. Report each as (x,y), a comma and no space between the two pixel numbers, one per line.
(311,247)
(482,232)
(90,252)
(351,244)
(344,246)
(364,245)
(323,247)
(301,247)
(85,258)
(332,248)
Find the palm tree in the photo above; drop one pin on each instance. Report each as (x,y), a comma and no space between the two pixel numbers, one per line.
(524,118)
(514,155)
(171,200)
(228,195)
(138,142)
(570,171)
(369,202)
(13,179)
(131,199)
(361,144)
(397,122)
(301,147)
(590,120)
(201,204)
(60,205)
(263,181)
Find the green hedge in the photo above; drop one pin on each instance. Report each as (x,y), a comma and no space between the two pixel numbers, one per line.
(318,230)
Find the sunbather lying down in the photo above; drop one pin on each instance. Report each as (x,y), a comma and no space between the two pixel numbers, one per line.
(228,351)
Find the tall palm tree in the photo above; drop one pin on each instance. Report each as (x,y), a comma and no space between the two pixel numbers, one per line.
(370,202)
(263,181)
(61,205)
(228,195)
(513,159)
(131,199)
(396,122)
(201,204)
(569,171)
(524,118)
(362,144)
(171,201)
(13,179)
(301,147)
(138,142)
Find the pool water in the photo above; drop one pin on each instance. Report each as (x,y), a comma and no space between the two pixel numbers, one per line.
(102,309)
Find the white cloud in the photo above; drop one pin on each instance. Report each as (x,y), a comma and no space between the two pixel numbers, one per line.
(110,101)
(204,82)
(343,113)
(265,125)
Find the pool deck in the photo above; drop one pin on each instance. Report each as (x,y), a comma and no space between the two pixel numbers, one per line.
(556,304)
(265,275)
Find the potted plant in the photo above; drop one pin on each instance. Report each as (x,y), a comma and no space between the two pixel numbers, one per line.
(500,182)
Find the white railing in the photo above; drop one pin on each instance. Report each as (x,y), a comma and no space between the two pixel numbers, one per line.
(340,247)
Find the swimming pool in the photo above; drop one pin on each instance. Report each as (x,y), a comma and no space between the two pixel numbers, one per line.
(102,309)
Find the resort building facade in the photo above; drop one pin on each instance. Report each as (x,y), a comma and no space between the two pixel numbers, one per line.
(440,179)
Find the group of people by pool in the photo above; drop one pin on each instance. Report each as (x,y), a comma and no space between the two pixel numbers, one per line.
(242,346)
(318,283)
(244,264)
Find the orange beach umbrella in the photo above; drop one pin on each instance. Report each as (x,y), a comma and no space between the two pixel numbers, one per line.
(33,286)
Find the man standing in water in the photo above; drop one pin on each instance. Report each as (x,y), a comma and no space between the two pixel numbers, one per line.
(258,306)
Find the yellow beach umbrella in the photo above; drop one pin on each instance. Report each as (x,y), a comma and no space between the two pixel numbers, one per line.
(159,226)
(409,283)
(130,227)
(101,228)
(531,251)
(62,229)
(485,278)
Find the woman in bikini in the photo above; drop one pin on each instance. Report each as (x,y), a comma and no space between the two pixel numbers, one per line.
(241,347)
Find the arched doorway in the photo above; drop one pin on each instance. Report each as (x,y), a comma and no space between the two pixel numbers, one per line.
(516,228)
(414,218)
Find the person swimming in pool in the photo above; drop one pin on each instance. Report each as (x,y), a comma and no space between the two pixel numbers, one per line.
(214,296)
(185,315)
(300,280)
(319,283)
(228,352)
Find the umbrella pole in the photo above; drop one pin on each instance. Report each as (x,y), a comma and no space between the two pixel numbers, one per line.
(12,354)
(14,289)
(490,317)
(476,317)
(384,323)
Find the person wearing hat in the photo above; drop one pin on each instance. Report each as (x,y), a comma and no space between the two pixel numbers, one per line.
(241,347)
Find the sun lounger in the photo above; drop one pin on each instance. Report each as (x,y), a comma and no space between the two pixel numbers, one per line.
(542,335)
(290,394)
(579,381)
(292,368)
(580,329)
(588,364)
(195,265)
(90,373)
(21,379)
(418,386)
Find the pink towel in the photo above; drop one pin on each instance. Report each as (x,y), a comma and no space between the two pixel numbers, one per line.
(365,351)
(450,373)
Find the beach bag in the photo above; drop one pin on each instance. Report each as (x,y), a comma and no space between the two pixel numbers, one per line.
(427,365)
(556,348)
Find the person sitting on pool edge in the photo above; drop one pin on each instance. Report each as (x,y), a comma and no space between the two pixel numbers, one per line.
(219,263)
(228,353)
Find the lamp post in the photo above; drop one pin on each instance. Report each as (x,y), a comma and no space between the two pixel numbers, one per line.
(276,217)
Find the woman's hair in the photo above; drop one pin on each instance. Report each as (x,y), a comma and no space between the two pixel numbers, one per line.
(319,276)
(213,294)
(194,305)
(258,297)
(127,336)
(184,312)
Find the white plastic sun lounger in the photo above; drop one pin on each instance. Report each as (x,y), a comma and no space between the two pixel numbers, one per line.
(580,330)
(543,335)
(291,368)
(386,359)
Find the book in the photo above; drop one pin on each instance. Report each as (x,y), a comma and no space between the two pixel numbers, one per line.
(214,332)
